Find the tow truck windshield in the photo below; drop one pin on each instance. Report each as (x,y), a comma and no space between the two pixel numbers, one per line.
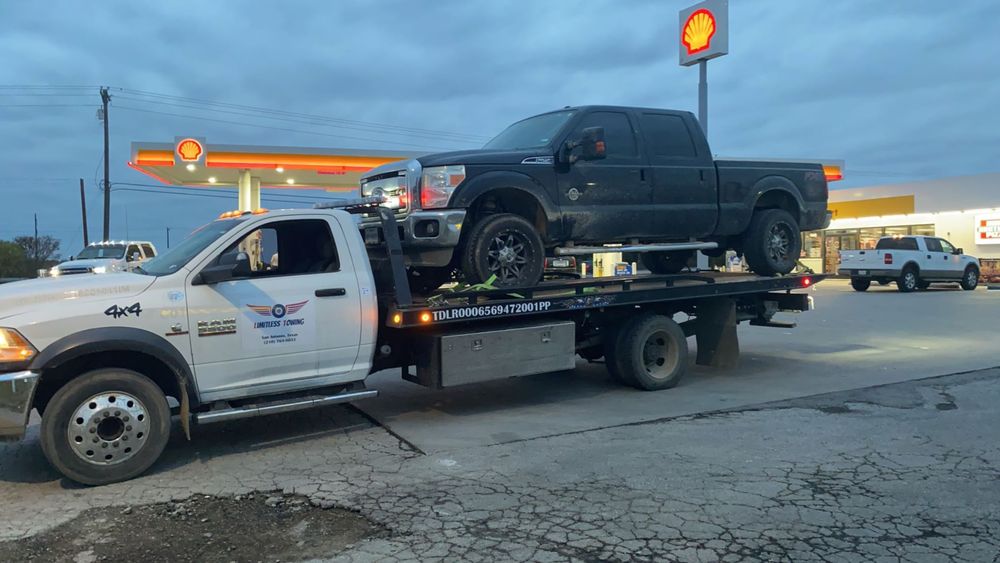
(116,251)
(176,257)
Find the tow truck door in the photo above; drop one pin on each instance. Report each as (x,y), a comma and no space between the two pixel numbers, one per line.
(261,332)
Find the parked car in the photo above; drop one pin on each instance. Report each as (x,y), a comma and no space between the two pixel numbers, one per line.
(106,257)
(913,262)
(595,175)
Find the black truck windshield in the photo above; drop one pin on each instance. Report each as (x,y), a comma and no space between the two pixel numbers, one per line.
(176,257)
(532,133)
(101,251)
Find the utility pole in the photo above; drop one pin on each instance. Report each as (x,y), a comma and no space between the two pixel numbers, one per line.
(83,210)
(168,237)
(105,98)
(35,257)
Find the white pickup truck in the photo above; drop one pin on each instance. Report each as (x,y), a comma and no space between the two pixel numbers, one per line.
(274,311)
(913,262)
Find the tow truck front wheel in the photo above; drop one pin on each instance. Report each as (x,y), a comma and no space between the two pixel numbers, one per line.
(105,426)
(506,246)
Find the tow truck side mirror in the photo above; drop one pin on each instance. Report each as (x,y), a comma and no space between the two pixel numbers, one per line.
(228,268)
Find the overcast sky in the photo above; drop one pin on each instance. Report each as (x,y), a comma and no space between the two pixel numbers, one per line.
(901,90)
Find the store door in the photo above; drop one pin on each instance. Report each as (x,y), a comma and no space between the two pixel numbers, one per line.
(836,242)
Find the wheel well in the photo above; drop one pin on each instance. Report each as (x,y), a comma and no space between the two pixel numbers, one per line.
(150,366)
(511,200)
(778,199)
(913,265)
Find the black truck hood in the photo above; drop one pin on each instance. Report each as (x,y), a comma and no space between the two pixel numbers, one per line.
(480,156)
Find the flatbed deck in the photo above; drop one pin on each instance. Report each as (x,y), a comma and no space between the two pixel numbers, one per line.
(584,294)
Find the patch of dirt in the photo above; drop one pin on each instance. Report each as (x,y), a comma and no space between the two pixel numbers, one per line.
(259,527)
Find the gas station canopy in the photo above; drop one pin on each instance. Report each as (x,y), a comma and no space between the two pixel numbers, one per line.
(189,161)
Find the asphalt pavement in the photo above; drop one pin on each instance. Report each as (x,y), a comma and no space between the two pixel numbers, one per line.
(868,433)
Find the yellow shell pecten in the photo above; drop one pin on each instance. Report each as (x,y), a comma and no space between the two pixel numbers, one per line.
(698,31)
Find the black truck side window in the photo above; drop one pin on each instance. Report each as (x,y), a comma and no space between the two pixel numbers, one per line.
(618,133)
(667,136)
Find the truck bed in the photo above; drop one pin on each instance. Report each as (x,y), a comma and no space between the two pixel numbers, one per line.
(566,297)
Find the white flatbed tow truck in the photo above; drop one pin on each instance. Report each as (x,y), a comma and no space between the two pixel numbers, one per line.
(267,312)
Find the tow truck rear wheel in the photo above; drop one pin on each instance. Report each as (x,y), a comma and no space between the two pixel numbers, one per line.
(105,426)
(650,353)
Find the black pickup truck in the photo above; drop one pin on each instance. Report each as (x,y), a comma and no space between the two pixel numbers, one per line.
(555,182)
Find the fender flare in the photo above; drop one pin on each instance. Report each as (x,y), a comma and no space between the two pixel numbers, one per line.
(110,339)
(505,179)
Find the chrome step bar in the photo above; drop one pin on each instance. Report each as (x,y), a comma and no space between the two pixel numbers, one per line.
(664,247)
(263,409)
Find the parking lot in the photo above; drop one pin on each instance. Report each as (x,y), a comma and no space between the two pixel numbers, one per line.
(868,433)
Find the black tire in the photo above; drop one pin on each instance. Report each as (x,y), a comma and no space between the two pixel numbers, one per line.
(666,262)
(923,285)
(425,280)
(486,252)
(123,411)
(908,280)
(772,243)
(612,345)
(651,353)
(861,284)
(970,279)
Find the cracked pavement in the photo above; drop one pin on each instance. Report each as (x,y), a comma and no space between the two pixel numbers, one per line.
(903,472)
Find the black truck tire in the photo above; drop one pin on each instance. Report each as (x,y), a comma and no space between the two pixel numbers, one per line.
(105,426)
(650,353)
(666,262)
(861,284)
(970,279)
(772,243)
(506,246)
(909,280)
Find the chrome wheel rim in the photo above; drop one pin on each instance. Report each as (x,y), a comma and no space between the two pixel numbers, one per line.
(779,242)
(658,356)
(108,428)
(910,280)
(507,255)
(971,279)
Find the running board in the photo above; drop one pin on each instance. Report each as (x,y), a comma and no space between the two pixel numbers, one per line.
(665,247)
(277,407)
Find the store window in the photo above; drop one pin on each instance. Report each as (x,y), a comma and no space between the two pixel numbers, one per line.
(868,238)
(812,245)
(923,230)
(897,231)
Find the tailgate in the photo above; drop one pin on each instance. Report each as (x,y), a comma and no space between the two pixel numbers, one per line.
(859,258)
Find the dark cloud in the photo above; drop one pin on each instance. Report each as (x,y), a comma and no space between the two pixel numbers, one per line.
(900,90)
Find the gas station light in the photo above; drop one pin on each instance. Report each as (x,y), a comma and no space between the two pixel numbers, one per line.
(211,179)
(291,181)
(279,169)
(191,167)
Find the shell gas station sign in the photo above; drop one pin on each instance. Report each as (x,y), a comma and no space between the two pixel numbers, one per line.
(704,31)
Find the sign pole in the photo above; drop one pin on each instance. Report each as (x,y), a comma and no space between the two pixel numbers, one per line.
(703,96)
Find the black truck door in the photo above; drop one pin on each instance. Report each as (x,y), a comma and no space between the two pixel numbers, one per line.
(684,183)
(607,200)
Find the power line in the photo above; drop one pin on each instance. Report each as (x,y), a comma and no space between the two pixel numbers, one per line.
(287,129)
(221,191)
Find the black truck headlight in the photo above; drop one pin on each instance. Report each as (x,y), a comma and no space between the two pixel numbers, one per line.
(437,184)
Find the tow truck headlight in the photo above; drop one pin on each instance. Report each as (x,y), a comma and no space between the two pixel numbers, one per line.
(437,184)
(15,350)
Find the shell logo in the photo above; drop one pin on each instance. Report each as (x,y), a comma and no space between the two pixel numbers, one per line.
(698,31)
(190,150)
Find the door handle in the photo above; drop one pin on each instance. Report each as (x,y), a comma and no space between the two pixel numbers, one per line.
(331,292)
(701,174)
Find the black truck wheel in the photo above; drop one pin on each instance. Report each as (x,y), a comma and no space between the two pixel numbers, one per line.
(506,246)
(908,281)
(861,284)
(772,243)
(970,279)
(105,426)
(650,353)
(666,262)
